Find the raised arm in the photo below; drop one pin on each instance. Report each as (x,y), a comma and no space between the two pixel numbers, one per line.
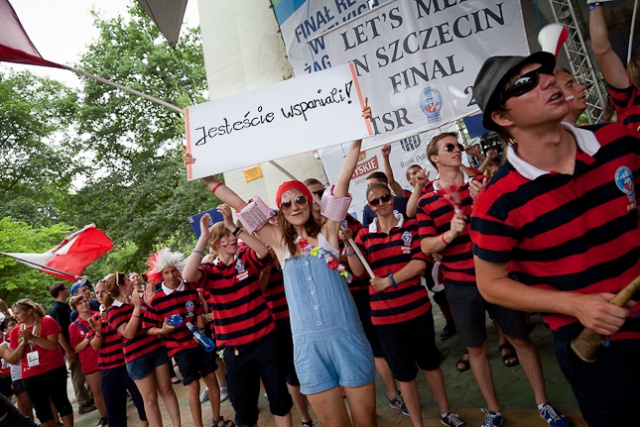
(412,203)
(349,164)
(612,67)
(253,242)
(388,171)
(191,272)
(269,233)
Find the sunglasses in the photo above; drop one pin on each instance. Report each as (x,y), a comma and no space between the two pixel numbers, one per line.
(450,147)
(385,198)
(319,193)
(300,201)
(525,83)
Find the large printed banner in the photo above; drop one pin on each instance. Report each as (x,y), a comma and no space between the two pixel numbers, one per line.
(417,59)
(303,21)
(286,118)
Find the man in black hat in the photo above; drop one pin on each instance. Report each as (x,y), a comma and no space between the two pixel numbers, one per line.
(556,229)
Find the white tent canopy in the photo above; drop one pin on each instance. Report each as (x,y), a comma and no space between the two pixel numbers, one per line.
(168,16)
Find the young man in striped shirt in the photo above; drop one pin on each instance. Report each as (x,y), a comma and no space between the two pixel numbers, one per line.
(242,321)
(556,228)
(444,230)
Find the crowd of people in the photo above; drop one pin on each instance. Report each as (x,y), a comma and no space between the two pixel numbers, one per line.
(307,303)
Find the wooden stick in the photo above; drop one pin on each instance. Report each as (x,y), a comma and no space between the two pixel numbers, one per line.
(588,342)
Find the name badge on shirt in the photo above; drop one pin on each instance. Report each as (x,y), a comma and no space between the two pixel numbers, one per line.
(33,359)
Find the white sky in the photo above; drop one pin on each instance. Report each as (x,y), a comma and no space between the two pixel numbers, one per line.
(61,30)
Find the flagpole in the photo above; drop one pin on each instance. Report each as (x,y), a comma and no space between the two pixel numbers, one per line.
(125,88)
(44,267)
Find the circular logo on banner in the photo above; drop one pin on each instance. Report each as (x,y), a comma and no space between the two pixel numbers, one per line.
(431,104)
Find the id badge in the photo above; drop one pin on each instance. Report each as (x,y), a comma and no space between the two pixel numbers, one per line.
(33,359)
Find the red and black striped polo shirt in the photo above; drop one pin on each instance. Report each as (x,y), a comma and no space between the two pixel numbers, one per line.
(184,301)
(110,355)
(241,315)
(626,103)
(274,295)
(576,233)
(434,214)
(389,253)
(142,343)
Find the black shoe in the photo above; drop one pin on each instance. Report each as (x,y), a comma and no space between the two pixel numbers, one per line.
(448,331)
(102,422)
(86,409)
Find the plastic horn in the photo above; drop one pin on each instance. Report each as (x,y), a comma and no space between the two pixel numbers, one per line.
(551,38)
(587,344)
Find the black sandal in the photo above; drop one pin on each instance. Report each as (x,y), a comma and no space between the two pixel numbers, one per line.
(463,364)
(221,422)
(511,358)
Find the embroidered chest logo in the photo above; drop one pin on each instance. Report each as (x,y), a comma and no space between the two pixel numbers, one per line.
(190,307)
(407,238)
(624,181)
(242,274)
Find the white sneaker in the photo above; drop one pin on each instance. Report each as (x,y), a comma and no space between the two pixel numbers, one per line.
(204,395)
(224,394)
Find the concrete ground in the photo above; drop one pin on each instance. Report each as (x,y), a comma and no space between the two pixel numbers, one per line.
(514,394)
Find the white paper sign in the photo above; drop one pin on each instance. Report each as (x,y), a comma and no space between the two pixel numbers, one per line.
(417,59)
(291,117)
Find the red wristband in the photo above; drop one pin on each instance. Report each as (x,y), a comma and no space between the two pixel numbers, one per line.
(215,187)
(442,238)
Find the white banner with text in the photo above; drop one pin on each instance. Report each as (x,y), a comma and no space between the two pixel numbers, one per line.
(417,59)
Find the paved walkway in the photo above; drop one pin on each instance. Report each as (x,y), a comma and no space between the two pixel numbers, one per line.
(514,393)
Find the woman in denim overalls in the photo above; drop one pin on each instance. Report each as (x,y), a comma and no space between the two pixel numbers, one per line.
(331,349)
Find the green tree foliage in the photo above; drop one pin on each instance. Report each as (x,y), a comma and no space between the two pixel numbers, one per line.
(137,189)
(122,152)
(16,279)
(36,147)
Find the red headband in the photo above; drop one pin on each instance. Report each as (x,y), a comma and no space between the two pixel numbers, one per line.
(292,185)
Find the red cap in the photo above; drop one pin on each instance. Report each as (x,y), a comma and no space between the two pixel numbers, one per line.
(293,185)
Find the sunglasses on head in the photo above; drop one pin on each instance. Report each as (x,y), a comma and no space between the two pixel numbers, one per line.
(319,193)
(525,83)
(450,147)
(385,198)
(300,201)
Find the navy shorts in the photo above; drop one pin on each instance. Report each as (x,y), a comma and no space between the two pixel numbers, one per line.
(195,363)
(285,350)
(18,387)
(363,304)
(244,371)
(5,386)
(145,365)
(604,389)
(468,310)
(408,344)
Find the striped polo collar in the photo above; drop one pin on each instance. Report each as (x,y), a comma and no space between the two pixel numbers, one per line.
(585,139)
(373,227)
(169,291)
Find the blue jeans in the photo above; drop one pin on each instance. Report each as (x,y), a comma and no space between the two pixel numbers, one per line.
(114,384)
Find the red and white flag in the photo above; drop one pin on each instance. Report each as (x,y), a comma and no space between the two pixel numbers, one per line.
(70,257)
(15,45)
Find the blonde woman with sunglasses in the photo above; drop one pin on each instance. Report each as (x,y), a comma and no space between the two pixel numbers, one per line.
(34,343)
(331,349)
